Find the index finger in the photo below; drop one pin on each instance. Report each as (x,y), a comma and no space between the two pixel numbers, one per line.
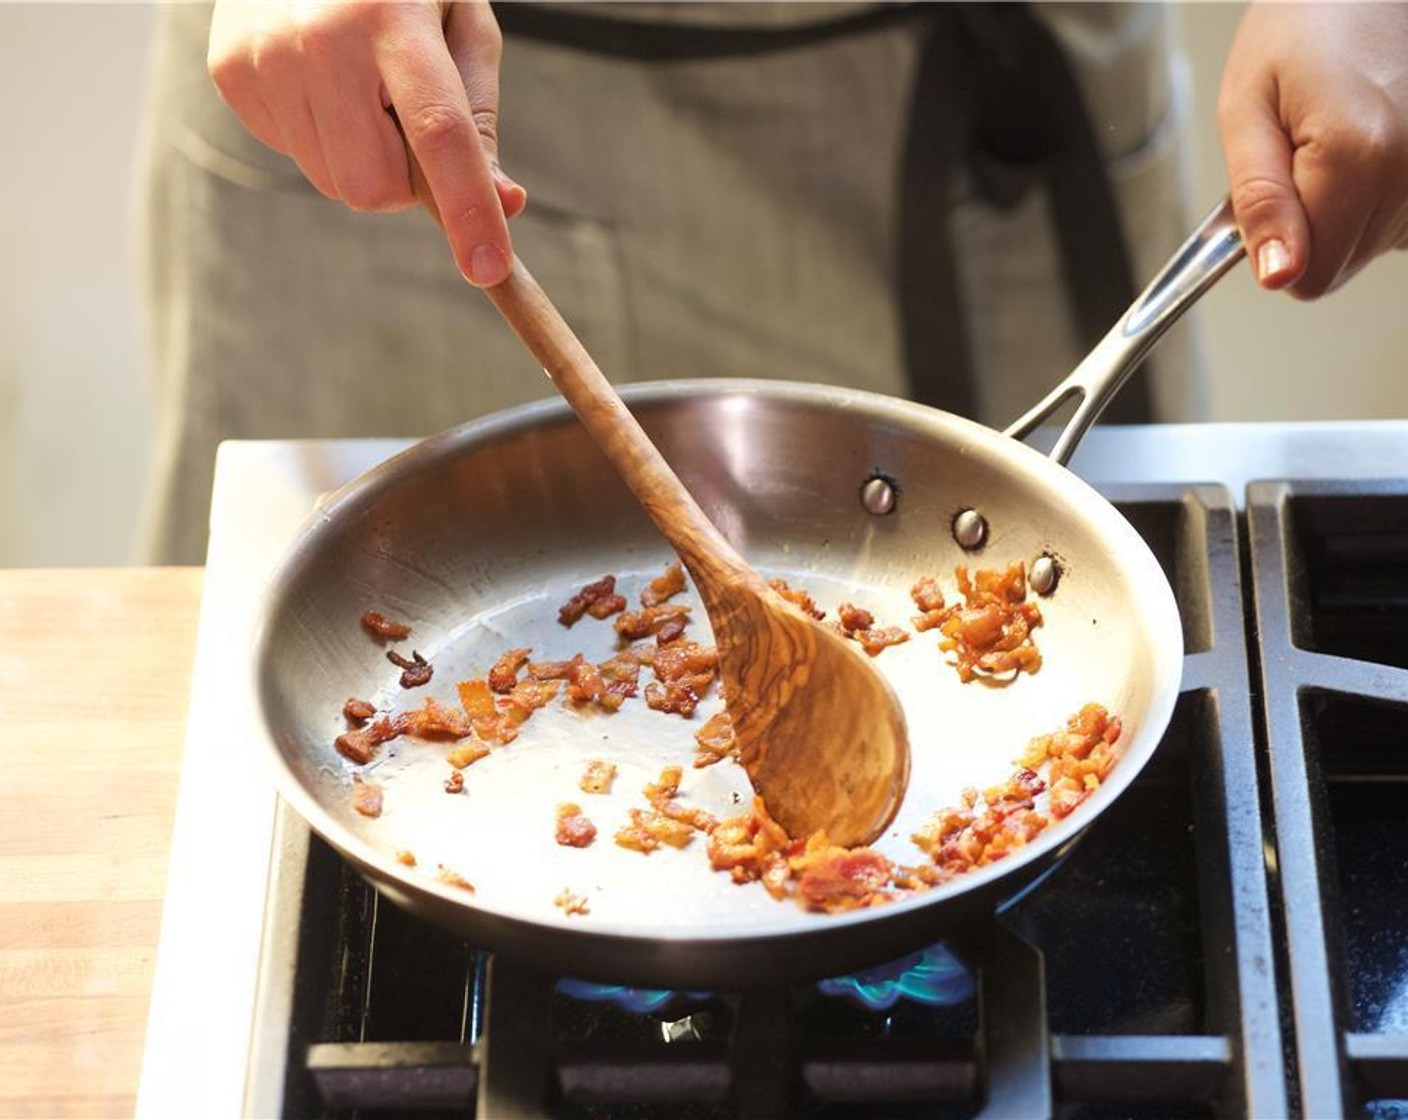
(428,96)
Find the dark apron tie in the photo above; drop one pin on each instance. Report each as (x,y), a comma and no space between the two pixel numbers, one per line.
(994,96)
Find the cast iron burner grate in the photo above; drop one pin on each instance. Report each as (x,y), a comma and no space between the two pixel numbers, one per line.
(1330,565)
(1135,981)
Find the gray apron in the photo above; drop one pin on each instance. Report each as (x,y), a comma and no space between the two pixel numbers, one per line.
(832,193)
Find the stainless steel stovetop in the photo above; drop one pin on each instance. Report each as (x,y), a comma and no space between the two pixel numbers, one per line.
(1330,666)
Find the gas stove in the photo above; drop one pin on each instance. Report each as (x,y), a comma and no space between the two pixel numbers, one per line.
(1227,940)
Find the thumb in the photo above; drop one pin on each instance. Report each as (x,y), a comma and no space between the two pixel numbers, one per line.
(1258,154)
(476,44)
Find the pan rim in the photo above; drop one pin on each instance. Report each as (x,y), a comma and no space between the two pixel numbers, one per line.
(1143,571)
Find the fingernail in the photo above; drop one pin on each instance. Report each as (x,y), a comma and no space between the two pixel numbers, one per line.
(487,266)
(1272,259)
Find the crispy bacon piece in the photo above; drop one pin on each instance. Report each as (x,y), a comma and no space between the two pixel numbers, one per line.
(417,671)
(599,599)
(798,598)
(571,904)
(858,623)
(597,777)
(434,721)
(664,586)
(854,618)
(497,720)
(834,879)
(588,684)
(680,696)
(672,631)
(633,625)
(406,856)
(986,828)
(466,754)
(926,594)
(991,633)
(504,675)
(574,830)
(875,639)
(752,847)
(360,746)
(649,828)
(684,672)
(378,625)
(454,878)
(366,797)
(455,782)
(714,741)
(1079,758)
(358,711)
(661,792)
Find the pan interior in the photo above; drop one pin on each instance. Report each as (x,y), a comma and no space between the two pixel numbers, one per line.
(478,536)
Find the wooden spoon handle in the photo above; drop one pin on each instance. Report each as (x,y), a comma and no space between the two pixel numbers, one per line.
(527,309)
(537,322)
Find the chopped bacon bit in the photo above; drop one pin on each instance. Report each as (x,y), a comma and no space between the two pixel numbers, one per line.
(834,879)
(466,755)
(380,626)
(406,856)
(672,631)
(752,847)
(1079,758)
(533,694)
(417,671)
(574,830)
(570,903)
(454,878)
(358,711)
(991,633)
(666,785)
(476,699)
(684,659)
(504,675)
(602,591)
(798,598)
(854,618)
(643,623)
(598,776)
(715,741)
(360,746)
(876,639)
(664,586)
(455,782)
(434,721)
(649,828)
(680,696)
(366,797)
(926,594)
(588,685)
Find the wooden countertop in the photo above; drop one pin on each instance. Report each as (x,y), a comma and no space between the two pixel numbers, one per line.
(94,680)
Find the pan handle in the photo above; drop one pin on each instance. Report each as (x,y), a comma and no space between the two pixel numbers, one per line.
(1215,247)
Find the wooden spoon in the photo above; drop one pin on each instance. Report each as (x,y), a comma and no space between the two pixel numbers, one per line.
(819,730)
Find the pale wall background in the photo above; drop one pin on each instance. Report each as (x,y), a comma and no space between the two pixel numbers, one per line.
(75,421)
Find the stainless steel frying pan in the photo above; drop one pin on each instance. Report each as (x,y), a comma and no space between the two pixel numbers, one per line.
(476,536)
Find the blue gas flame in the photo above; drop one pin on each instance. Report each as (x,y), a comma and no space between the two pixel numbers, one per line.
(932,976)
(640,1000)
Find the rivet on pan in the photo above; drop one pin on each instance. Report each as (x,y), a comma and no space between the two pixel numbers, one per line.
(1044,575)
(970,529)
(878,495)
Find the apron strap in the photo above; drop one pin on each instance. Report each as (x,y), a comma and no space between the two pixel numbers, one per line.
(992,86)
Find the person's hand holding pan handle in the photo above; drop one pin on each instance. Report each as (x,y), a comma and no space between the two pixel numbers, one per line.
(1313,115)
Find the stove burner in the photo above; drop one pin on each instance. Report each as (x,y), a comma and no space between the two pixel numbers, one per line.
(932,976)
